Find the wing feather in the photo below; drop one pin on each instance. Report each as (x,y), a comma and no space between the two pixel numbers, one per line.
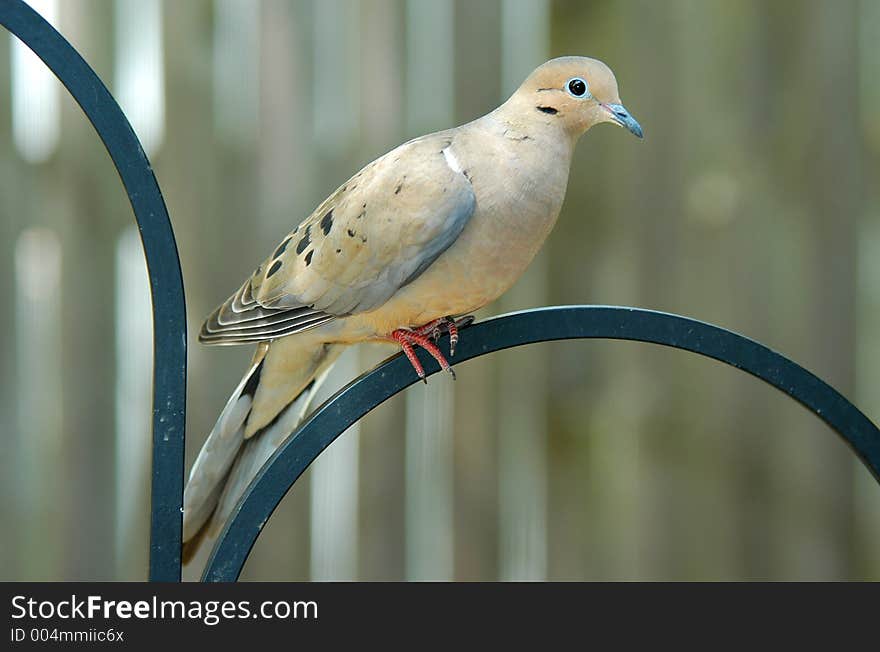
(372,236)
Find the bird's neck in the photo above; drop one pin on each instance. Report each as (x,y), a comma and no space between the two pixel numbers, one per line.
(529,166)
(518,118)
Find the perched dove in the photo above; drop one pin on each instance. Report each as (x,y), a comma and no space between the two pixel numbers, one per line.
(434,229)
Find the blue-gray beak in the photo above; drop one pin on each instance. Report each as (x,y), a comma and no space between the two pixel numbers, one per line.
(624,119)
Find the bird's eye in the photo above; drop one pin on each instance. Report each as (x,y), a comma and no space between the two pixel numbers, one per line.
(578,87)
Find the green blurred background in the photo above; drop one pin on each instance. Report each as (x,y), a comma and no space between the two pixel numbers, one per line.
(752,203)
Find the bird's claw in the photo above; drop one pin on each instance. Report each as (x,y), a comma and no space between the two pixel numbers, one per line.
(426,337)
(436,329)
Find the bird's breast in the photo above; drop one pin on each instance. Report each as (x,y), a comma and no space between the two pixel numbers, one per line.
(519,191)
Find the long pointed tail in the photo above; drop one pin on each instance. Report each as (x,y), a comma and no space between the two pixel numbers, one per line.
(272,398)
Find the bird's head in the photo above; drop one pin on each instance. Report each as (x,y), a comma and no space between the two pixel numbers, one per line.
(576,93)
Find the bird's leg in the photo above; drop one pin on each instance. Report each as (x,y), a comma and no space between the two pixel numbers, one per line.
(407,338)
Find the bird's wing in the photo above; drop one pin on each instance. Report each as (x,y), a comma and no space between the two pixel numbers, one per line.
(372,236)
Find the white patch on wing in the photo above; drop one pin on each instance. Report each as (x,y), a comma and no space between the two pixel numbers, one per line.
(451,161)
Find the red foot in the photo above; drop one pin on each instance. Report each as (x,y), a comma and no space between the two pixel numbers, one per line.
(433,329)
(436,328)
(425,336)
(407,338)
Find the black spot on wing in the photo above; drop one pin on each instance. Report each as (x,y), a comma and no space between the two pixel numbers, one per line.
(306,240)
(397,189)
(275,267)
(327,222)
(309,257)
(281,248)
(547,109)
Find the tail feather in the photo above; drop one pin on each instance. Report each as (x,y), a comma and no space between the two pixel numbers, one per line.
(258,449)
(231,457)
(212,465)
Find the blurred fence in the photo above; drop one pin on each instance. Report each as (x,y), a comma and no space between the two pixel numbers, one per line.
(751,204)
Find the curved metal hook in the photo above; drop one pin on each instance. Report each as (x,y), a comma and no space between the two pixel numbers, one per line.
(544,324)
(166,281)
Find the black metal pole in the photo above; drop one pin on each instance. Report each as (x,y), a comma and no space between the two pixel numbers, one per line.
(166,282)
(544,324)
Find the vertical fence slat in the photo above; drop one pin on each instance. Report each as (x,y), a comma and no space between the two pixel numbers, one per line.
(134,373)
(430,39)
(429,525)
(39,399)
(236,71)
(336,85)
(334,491)
(139,77)
(36,109)
(522,402)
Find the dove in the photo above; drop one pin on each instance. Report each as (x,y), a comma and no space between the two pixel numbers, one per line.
(429,232)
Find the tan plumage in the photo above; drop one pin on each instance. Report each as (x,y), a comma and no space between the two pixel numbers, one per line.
(440,226)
